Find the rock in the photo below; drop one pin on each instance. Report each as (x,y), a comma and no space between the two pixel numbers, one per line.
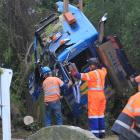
(62,132)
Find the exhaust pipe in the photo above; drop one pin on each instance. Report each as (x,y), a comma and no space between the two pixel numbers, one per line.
(101,28)
(66,3)
(81,5)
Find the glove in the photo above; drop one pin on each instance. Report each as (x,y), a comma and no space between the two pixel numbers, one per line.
(77,75)
(73,72)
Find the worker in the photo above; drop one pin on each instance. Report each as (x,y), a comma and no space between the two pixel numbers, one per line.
(96,98)
(127,125)
(52,87)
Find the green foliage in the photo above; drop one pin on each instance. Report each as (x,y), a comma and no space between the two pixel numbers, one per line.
(3,39)
(131,35)
(7,55)
(33,127)
(16,98)
(49,4)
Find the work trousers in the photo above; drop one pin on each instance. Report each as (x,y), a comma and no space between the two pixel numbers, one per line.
(96,109)
(53,109)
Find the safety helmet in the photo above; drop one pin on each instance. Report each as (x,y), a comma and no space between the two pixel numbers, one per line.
(45,70)
(93,61)
(137,79)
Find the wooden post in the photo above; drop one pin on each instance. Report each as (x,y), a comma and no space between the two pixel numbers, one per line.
(66,2)
(81,5)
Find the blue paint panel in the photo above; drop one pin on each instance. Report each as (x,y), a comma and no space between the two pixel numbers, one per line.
(74,50)
(82,34)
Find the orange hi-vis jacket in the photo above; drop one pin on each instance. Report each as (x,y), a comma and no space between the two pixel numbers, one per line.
(128,122)
(96,98)
(51,87)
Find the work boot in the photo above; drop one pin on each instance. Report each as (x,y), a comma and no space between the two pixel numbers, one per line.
(102,136)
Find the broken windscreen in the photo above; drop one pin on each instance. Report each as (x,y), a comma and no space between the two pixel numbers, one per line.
(54,29)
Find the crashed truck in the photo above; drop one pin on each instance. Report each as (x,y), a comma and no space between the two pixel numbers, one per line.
(71,39)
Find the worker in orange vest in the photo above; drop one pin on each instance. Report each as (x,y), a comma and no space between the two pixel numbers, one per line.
(52,87)
(96,97)
(127,125)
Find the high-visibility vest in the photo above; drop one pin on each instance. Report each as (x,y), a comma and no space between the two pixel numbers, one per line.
(51,87)
(95,80)
(128,122)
